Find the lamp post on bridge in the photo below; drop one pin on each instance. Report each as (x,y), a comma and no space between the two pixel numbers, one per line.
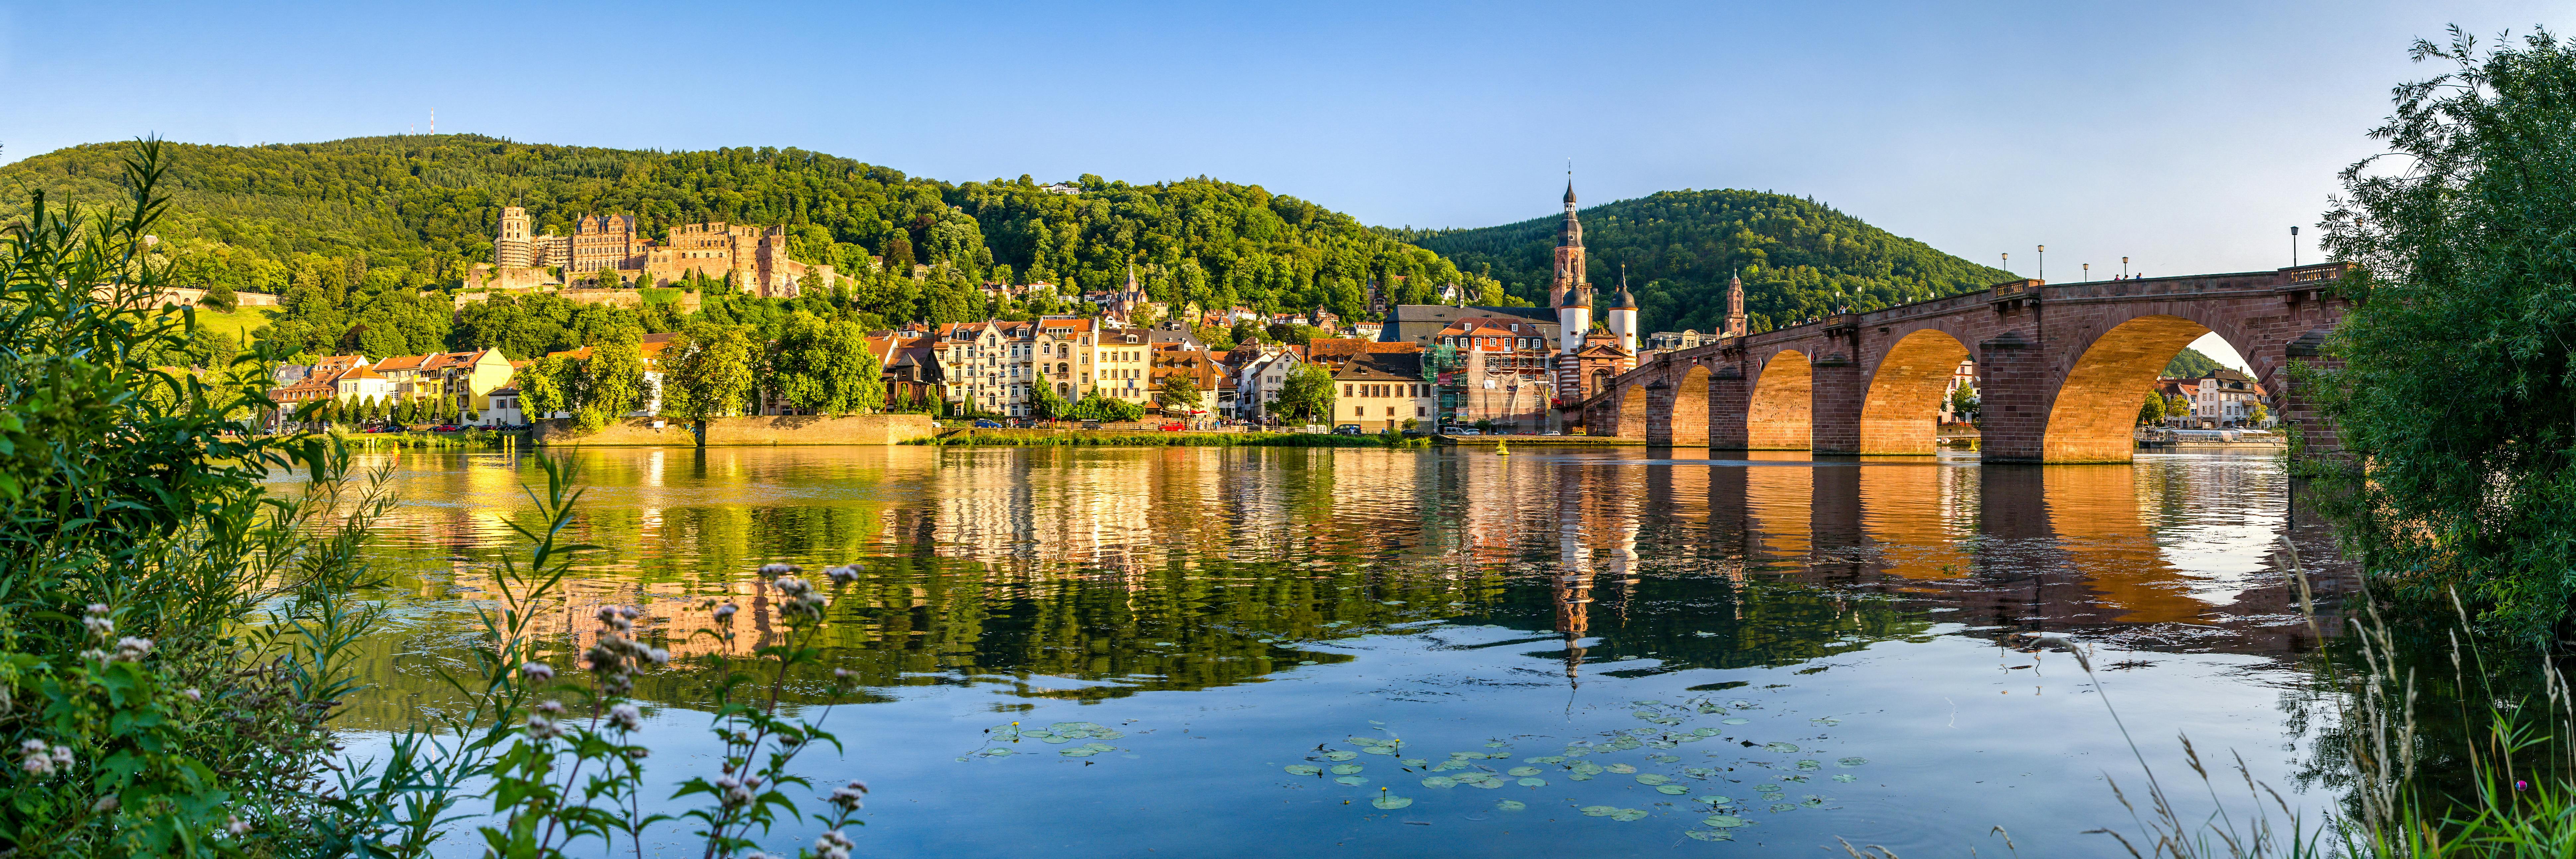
(2007,263)
(2043,262)
(2124,268)
(2088,272)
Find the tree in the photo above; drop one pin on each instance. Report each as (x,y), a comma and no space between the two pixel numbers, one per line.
(1246,332)
(707,372)
(2256,414)
(1045,403)
(2152,412)
(2177,406)
(826,367)
(1180,392)
(1963,400)
(1308,394)
(548,386)
(220,298)
(2453,396)
(609,278)
(612,383)
(1102,407)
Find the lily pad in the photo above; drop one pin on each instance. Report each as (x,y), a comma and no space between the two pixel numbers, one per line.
(1809,766)
(1522,771)
(1780,747)
(1053,739)
(1846,777)
(1498,745)
(1778,807)
(1353,780)
(997,751)
(1767,788)
(1304,769)
(1671,789)
(1379,750)
(1654,778)
(1390,801)
(1600,810)
(1345,769)
(1533,782)
(1545,759)
(1737,720)
(1739,703)
(1705,732)
(1439,781)
(1713,799)
(1588,768)
(1622,769)
(1340,755)
(1625,815)
(1710,834)
(1851,762)
(1511,805)
(1723,821)
(1413,762)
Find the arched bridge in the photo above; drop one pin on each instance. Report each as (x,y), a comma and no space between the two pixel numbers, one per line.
(2061,368)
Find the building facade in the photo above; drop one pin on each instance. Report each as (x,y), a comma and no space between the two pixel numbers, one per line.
(755,259)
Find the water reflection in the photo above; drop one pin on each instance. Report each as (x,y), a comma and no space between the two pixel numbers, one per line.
(1032,578)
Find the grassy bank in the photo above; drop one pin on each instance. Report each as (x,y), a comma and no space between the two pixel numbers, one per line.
(474,439)
(981,438)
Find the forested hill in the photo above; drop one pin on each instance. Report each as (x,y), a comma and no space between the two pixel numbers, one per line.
(366,214)
(1799,259)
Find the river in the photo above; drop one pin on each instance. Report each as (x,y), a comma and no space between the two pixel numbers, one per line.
(1517,638)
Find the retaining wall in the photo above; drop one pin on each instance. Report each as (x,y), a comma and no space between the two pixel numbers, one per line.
(766,430)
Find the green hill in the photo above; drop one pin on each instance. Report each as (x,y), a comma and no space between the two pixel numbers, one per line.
(334,226)
(1799,259)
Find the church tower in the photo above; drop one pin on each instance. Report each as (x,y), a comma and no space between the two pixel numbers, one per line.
(1623,315)
(1569,292)
(1735,326)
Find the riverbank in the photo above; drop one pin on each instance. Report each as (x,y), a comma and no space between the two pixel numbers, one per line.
(1111,438)
(1536,441)
(760,430)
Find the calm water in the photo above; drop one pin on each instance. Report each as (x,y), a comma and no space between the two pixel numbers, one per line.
(1821,642)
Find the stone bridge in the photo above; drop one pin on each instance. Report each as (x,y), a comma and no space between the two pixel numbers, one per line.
(2061,369)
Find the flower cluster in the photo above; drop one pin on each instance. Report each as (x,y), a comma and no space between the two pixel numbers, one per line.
(42,759)
(545,724)
(625,716)
(852,796)
(844,574)
(98,622)
(802,602)
(737,793)
(618,655)
(833,845)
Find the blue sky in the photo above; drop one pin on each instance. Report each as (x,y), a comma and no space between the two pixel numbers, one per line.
(2187,136)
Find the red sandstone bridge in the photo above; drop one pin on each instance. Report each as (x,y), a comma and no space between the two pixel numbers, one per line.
(2061,369)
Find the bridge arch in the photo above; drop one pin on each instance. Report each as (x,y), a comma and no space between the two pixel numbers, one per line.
(1632,411)
(2095,406)
(1686,421)
(1900,414)
(1781,413)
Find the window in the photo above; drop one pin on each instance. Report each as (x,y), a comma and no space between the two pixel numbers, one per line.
(1390,411)
(1359,412)
(1418,411)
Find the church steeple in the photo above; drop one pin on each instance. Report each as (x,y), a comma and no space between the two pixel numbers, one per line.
(1735,325)
(1569,292)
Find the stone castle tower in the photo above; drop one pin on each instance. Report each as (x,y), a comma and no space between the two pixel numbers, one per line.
(513,245)
(1569,293)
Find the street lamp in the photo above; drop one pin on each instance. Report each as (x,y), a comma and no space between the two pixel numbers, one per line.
(2088,272)
(2043,262)
(2124,268)
(2007,263)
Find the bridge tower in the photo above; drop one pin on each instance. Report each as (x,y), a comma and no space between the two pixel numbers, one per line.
(1735,325)
(1623,315)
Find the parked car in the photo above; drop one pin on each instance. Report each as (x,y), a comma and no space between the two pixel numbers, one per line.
(1347,429)
(1090,424)
(445,428)
(1465,431)
(1551,432)
(986,424)
(1175,426)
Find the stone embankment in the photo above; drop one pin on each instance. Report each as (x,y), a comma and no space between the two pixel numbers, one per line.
(764,431)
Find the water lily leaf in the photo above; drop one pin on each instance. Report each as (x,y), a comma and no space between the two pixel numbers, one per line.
(1622,769)
(1710,834)
(1723,821)
(1827,721)
(1580,776)
(1705,732)
(1779,747)
(1533,782)
(1646,703)
(1413,762)
(1625,815)
(1345,769)
(1699,772)
(997,751)
(1738,720)
(1600,810)
(1767,788)
(1654,778)
(1379,750)
(1487,781)
(1522,771)
(1851,762)
(1846,777)
(1663,759)
(1545,759)
(1809,766)
(1590,768)
(1778,807)
(1353,780)
(1340,755)
(1078,752)
(1510,805)
(1391,802)
(1498,745)
(1439,781)
(1812,801)
(1739,704)
(1713,799)
(1053,739)
(1671,789)
(1626,743)
(1304,769)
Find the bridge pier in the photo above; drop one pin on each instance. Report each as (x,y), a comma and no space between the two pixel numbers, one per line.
(1729,401)
(2013,397)
(1839,391)
(1659,414)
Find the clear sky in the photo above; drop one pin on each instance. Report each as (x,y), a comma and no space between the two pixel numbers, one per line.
(2186,136)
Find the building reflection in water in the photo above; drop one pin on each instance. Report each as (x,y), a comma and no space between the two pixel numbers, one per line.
(1023,561)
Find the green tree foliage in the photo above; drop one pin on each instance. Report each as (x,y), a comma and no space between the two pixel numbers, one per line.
(826,367)
(2191,364)
(220,298)
(1308,395)
(709,371)
(612,383)
(2456,385)
(2152,412)
(1799,259)
(548,386)
(2178,406)
(1180,392)
(1045,403)
(1102,407)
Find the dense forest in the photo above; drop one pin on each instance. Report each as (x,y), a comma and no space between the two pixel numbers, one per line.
(1799,259)
(351,232)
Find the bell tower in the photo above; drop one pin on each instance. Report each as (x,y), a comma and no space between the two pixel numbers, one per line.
(1569,292)
(1735,326)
